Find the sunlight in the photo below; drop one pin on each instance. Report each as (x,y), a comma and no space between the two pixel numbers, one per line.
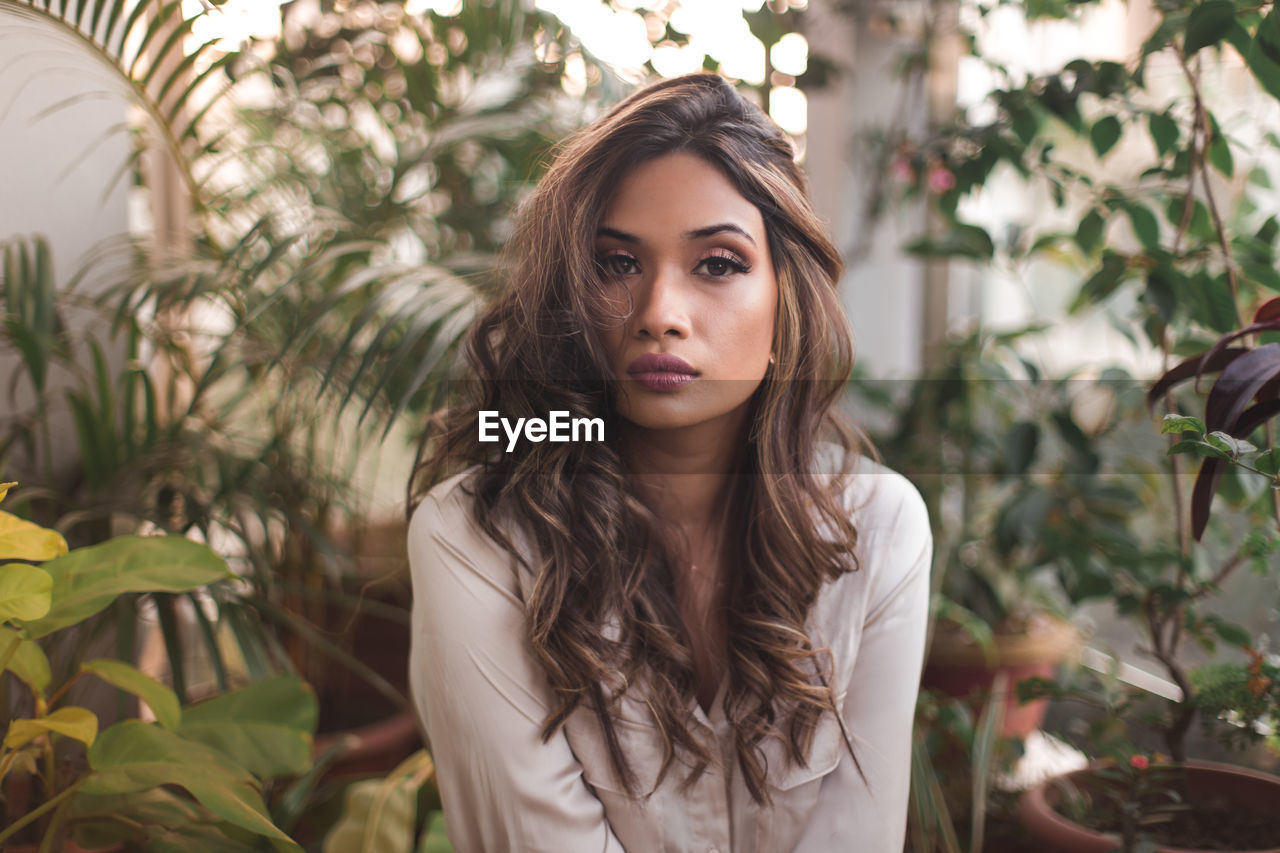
(234,22)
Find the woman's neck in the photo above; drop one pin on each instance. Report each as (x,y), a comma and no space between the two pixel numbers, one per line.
(687,475)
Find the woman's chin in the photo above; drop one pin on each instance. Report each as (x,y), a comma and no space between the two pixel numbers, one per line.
(658,412)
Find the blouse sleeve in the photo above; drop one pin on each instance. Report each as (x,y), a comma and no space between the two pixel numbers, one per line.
(879,706)
(481,698)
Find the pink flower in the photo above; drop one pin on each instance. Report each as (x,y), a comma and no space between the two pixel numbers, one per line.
(941,179)
(901,170)
(1139,762)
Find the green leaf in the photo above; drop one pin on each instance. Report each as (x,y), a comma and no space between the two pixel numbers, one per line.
(1105,134)
(24,592)
(1220,312)
(1089,232)
(1230,632)
(77,723)
(134,756)
(22,540)
(968,241)
(1229,444)
(265,727)
(1164,132)
(28,662)
(1263,53)
(1020,444)
(1102,283)
(1180,424)
(435,840)
(1203,448)
(88,579)
(379,814)
(1144,224)
(1220,155)
(1208,24)
(1263,274)
(160,699)
(171,820)
(1268,462)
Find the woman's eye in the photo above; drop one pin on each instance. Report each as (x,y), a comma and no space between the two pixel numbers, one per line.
(618,264)
(719,267)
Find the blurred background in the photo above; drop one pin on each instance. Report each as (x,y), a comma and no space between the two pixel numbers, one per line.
(240,242)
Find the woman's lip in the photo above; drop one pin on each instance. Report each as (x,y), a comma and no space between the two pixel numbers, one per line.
(662,380)
(660,362)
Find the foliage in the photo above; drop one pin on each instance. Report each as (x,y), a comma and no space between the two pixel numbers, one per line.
(945,803)
(1017,469)
(1244,398)
(1243,695)
(126,789)
(1158,204)
(381,814)
(342,235)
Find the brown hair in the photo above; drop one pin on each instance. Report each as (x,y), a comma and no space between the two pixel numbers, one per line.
(599,557)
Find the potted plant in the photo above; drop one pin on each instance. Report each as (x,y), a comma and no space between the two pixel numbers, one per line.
(64,778)
(1175,801)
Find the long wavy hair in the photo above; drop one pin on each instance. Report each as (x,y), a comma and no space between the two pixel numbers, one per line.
(602,612)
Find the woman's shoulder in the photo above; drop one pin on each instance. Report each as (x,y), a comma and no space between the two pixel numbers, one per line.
(444,536)
(876,496)
(894,549)
(448,499)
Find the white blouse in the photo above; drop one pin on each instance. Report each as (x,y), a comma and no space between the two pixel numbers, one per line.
(481,698)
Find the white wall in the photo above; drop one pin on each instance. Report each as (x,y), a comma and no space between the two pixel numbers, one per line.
(62,146)
(882,288)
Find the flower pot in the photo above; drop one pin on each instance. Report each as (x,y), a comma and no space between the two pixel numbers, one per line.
(1246,791)
(957,667)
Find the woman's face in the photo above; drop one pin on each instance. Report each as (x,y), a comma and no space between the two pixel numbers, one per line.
(694,257)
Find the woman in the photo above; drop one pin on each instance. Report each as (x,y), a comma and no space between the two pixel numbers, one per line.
(705,631)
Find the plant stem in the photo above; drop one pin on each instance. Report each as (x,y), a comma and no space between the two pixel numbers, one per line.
(61,691)
(1275,492)
(54,829)
(1224,571)
(1202,123)
(36,813)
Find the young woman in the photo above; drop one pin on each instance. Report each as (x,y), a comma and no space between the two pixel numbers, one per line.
(702,630)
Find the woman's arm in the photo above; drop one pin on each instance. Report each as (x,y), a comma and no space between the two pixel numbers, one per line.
(879,707)
(481,698)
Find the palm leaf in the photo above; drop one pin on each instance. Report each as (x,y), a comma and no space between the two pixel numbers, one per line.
(148,50)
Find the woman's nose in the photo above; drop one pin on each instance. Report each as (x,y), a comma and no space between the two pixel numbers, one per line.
(662,306)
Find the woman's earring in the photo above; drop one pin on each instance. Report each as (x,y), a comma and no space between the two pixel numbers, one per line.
(771,359)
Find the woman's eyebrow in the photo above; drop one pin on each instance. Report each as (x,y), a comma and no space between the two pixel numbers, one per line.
(695,234)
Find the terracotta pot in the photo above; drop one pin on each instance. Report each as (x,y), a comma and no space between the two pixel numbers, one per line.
(957,667)
(372,750)
(1249,789)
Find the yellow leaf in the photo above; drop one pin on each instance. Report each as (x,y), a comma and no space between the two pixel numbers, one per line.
(4,488)
(24,592)
(22,540)
(28,661)
(72,722)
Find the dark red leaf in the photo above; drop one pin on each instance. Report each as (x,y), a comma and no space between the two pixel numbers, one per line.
(1269,326)
(1236,386)
(1202,495)
(1269,310)
(1190,367)
(1254,417)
